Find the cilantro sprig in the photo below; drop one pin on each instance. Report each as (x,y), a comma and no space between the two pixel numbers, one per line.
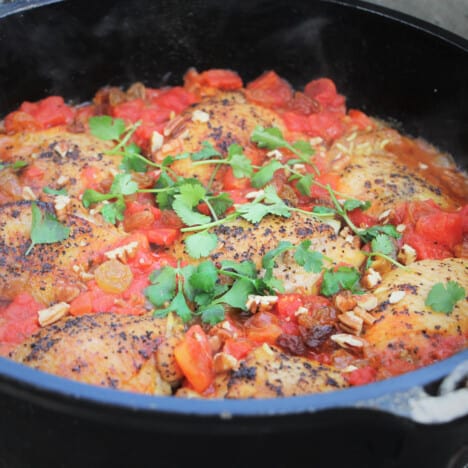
(16,165)
(45,229)
(121,186)
(443,297)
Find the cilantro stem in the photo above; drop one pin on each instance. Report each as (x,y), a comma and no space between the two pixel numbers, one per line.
(210,207)
(343,212)
(202,227)
(129,132)
(386,257)
(212,176)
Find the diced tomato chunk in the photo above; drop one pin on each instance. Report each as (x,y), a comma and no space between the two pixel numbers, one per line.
(162,236)
(269,90)
(361,376)
(238,348)
(194,356)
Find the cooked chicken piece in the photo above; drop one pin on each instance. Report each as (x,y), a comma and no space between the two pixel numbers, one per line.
(109,350)
(47,271)
(371,169)
(231,119)
(73,161)
(408,334)
(267,372)
(239,240)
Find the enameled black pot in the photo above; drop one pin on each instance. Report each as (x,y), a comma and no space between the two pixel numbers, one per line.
(390,65)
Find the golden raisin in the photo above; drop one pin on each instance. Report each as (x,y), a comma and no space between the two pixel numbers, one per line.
(113,276)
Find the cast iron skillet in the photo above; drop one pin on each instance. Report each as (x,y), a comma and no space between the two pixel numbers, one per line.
(390,65)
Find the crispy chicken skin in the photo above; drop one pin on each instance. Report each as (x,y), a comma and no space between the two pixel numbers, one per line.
(241,240)
(61,156)
(267,372)
(231,120)
(109,350)
(371,169)
(46,272)
(408,328)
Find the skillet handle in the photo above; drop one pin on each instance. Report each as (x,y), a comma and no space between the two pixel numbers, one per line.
(416,404)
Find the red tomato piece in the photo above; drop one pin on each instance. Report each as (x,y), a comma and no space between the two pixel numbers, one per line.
(194,356)
(263,327)
(324,91)
(230,182)
(18,121)
(444,228)
(269,90)
(130,111)
(238,348)
(162,236)
(361,376)
(176,99)
(361,218)
(221,79)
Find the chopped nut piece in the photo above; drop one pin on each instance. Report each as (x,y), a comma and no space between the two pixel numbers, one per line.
(253,195)
(366,301)
(407,254)
(298,167)
(348,341)
(122,253)
(267,349)
(301,311)
(371,278)
(28,194)
(260,303)
(83,275)
(344,301)
(351,323)
(62,180)
(275,154)
(400,227)
(61,203)
(350,368)
(200,116)
(384,215)
(224,362)
(157,141)
(423,166)
(53,313)
(345,232)
(316,141)
(367,318)
(396,296)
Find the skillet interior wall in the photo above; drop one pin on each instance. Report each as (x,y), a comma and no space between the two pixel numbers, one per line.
(391,71)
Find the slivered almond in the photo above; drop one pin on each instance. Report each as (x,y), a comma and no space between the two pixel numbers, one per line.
(350,323)
(157,141)
(224,362)
(28,194)
(407,254)
(367,318)
(396,296)
(260,303)
(53,313)
(366,301)
(62,180)
(200,116)
(348,341)
(344,301)
(371,278)
(123,252)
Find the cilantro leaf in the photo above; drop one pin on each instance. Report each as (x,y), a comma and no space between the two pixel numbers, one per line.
(113,212)
(204,277)
(269,259)
(207,152)
(220,203)
(265,174)
(45,229)
(368,234)
(51,191)
(304,147)
(311,261)
(133,160)
(304,184)
(123,185)
(253,212)
(105,127)
(237,295)
(191,194)
(90,197)
(246,268)
(200,244)
(382,244)
(187,215)
(270,138)
(352,204)
(213,314)
(177,305)
(163,288)
(341,278)
(241,165)
(442,298)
